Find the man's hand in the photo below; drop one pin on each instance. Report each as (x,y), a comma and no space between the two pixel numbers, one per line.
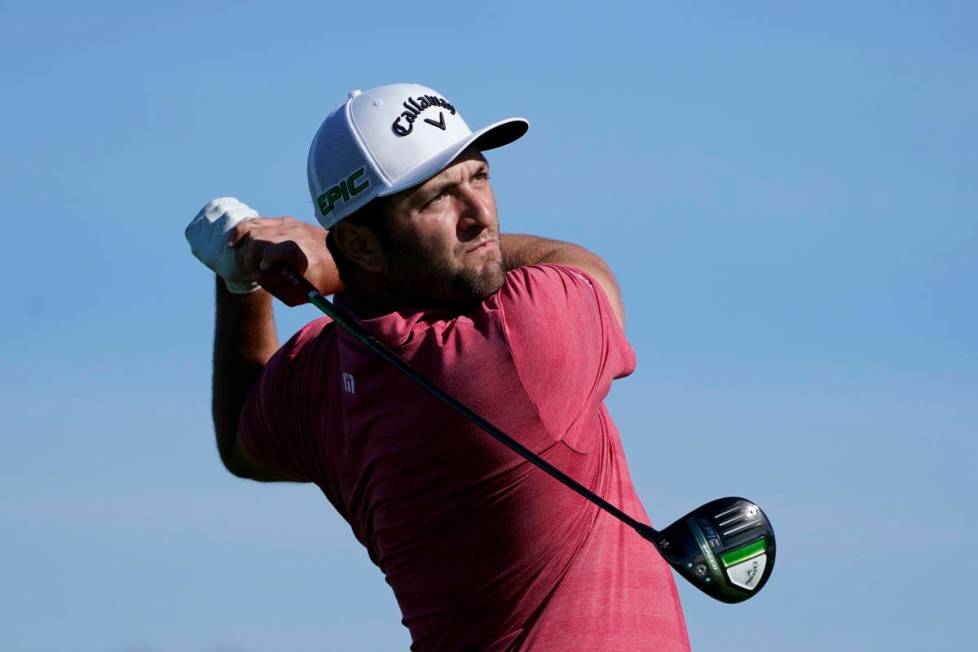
(244,249)
(261,245)
(207,235)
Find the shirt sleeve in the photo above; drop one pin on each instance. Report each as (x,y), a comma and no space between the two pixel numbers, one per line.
(268,427)
(566,342)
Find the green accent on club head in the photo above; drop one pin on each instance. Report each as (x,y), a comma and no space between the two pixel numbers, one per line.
(743,553)
(705,547)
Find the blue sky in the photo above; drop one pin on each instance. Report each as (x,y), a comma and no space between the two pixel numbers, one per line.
(787,194)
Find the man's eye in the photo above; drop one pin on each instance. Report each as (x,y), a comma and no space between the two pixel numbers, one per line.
(437,198)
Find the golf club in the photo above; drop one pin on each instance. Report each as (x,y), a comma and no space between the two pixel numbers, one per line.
(725,548)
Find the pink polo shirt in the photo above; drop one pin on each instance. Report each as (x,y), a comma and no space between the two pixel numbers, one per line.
(483,550)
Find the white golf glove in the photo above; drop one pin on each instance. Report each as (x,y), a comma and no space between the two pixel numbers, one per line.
(207,234)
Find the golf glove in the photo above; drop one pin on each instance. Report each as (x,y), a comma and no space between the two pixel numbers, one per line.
(207,234)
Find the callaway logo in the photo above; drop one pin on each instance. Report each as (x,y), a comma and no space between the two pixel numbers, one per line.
(413,108)
(752,574)
(342,191)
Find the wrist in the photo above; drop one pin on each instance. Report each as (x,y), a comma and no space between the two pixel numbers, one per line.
(255,298)
(241,287)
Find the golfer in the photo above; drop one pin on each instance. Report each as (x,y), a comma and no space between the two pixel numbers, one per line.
(483,550)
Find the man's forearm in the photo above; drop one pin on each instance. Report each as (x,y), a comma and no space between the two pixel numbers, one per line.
(522,250)
(244,340)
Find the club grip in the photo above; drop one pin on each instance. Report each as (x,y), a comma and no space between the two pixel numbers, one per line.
(287,286)
(298,282)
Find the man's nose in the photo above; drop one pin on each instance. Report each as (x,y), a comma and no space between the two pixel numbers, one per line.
(475,209)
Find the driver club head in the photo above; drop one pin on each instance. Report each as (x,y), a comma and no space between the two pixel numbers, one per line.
(724,548)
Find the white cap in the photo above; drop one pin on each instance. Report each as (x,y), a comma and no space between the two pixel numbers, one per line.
(388,139)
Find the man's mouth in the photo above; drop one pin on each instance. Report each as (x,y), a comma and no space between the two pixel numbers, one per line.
(481,245)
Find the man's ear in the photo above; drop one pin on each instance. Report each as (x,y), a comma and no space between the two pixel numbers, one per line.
(360,246)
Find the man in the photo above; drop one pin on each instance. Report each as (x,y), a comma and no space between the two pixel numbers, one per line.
(483,551)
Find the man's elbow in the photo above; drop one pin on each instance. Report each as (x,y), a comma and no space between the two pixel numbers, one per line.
(231,465)
(227,442)
(241,464)
(606,279)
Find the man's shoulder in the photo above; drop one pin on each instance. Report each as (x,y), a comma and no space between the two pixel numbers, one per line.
(550,311)
(547,287)
(303,340)
(547,273)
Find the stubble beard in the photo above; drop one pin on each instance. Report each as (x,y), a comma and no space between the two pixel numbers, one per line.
(429,278)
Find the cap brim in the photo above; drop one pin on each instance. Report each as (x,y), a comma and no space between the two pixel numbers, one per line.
(495,135)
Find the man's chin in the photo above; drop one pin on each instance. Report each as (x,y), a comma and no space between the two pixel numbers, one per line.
(474,287)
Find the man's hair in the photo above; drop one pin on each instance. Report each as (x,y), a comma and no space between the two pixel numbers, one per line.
(374,216)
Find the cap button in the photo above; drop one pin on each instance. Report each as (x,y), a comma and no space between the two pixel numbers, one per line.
(354,93)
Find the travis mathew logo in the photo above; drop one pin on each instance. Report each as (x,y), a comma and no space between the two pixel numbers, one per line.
(414,106)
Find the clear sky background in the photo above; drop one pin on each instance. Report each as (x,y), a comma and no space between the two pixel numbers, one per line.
(787,193)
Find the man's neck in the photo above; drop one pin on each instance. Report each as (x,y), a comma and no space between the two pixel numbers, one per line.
(367,299)
(367,304)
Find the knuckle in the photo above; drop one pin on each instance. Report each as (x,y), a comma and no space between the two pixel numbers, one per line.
(243,228)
